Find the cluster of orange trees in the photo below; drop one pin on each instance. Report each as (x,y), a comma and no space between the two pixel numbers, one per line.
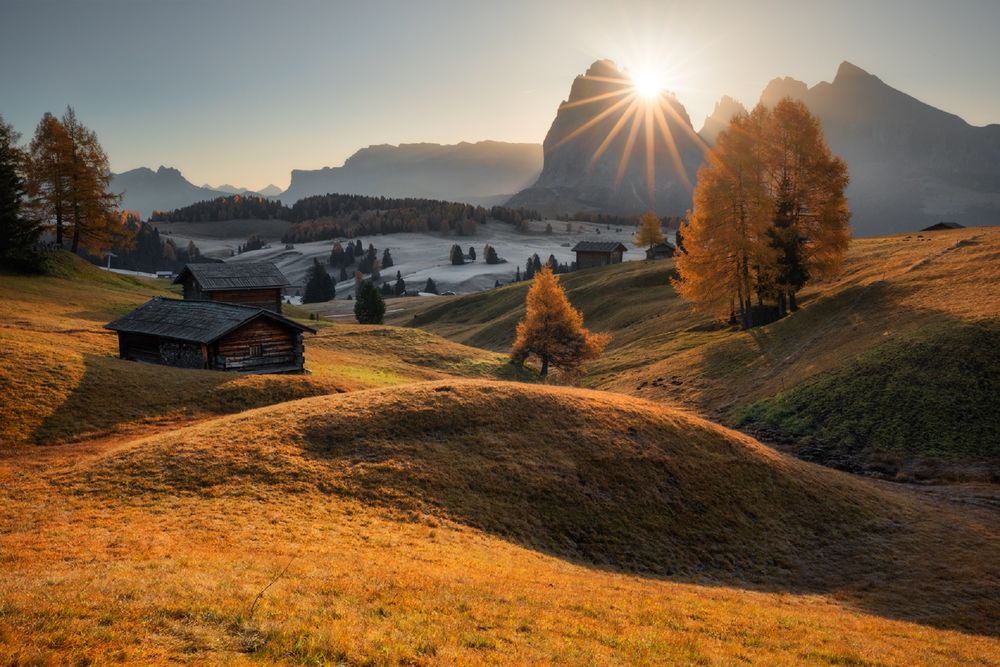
(769,215)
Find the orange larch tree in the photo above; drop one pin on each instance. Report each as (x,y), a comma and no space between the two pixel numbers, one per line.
(552,329)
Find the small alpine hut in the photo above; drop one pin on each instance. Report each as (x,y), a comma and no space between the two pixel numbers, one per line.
(662,250)
(257,284)
(598,253)
(211,335)
(942,226)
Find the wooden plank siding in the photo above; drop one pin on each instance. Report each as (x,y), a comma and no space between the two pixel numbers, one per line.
(260,345)
(157,350)
(267,298)
(587,260)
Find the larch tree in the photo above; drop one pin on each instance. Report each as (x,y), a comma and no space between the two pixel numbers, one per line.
(650,232)
(727,235)
(553,330)
(49,174)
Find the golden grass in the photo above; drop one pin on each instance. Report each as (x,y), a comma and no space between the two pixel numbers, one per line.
(431,524)
(61,380)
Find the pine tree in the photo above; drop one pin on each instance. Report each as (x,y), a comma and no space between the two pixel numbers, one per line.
(517,275)
(49,174)
(430,287)
(319,284)
(343,273)
(386,259)
(400,287)
(456,255)
(650,231)
(18,232)
(491,255)
(369,307)
(553,330)
(472,254)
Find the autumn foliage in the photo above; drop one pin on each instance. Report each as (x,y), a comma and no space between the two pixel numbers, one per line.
(650,231)
(552,328)
(769,214)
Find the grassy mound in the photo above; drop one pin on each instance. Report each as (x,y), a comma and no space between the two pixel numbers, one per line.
(923,398)
(589,476)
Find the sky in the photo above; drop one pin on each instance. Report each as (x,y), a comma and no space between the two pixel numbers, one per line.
(242,92)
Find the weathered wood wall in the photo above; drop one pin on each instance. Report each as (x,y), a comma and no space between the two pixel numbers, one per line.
(587,260)
(267,298)
(261,345)
(157,350)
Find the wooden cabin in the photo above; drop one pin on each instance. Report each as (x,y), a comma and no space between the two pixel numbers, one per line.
(661,250)
(942,226)
(598,253)
(256,284)
(211,335)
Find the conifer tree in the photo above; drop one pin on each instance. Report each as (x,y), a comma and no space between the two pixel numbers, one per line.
(456,255)
(49,174)
(369,307)
(93,208)
(650,232)
(490,255)
(430,287)
(18,231)
(319,284)
(386,259)
(472,254)
(553,330)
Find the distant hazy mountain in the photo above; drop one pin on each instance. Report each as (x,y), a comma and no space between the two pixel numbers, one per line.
(910,164)
(269,191)
(604,167)
(483,172)
(165,189)
(724,111)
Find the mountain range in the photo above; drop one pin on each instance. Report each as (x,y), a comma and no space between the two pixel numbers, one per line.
(910,164)
(486,172)
(268,191)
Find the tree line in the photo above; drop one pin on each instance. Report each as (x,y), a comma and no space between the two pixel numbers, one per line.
(233,207)
(59,182)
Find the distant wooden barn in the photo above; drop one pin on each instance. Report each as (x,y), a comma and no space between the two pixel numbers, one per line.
(598,253)
(662,250)
(211,335)
(941,226)
(257,284)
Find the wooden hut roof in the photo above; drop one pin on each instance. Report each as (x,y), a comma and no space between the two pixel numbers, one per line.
(195,321)
(599,246)
(233,275)
(663,245)
(942,226)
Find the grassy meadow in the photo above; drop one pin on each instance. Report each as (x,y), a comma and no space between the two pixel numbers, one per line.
(415,500)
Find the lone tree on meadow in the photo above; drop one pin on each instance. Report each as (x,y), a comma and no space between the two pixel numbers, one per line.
(552,329)
(650,232)
(769,214)
(369,307)
(456,255)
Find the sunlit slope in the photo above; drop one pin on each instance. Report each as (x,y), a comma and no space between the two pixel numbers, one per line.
(61,379)
(890,289)
(589,476)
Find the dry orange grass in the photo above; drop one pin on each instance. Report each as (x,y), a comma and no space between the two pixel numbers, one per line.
(479,522)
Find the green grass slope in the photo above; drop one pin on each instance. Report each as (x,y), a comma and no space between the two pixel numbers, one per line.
(890,290)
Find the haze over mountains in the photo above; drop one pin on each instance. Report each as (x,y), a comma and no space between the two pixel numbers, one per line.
(910,164)
(485,172)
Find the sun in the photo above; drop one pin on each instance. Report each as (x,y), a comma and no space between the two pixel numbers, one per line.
(647,83)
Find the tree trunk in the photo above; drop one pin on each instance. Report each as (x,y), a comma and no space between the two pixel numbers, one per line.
(545,365)
(793,305)
(59,226)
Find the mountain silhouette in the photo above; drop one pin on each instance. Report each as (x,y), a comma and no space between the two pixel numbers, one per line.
(165,189)
(910,163)
(486,172)
(598,147)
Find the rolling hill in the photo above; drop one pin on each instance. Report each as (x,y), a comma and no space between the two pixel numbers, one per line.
(891,290)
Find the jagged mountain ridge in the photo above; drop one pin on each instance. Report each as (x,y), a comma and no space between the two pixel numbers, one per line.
(165,189)
(581,170)
(484,172)
(725,109)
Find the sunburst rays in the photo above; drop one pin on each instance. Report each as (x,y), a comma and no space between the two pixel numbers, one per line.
(642,110)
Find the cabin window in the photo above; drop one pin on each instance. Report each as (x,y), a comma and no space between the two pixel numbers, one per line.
(256,350)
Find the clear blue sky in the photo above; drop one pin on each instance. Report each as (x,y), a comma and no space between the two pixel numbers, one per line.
(243,92)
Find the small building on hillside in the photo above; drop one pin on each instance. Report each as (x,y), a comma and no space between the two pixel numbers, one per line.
(257,284)
(211,335)
(941,226)
(661,250)
(598,253)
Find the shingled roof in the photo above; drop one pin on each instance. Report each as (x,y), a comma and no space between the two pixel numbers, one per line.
(194,321)
(599,246)
(233,275)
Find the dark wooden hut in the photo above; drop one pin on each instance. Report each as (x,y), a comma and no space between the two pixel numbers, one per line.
(257,284)
(942,226)
(212,335)
(598,253)
(662,250)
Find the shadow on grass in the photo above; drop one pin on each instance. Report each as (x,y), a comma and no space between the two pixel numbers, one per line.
(114,394)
